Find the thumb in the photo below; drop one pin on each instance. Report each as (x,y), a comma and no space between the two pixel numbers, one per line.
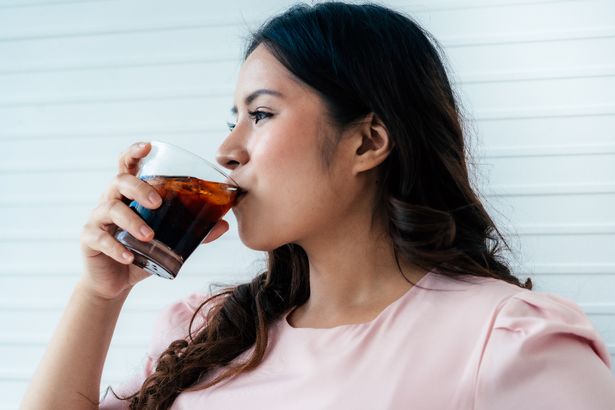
(219,228)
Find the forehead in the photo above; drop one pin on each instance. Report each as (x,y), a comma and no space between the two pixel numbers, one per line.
(261,70)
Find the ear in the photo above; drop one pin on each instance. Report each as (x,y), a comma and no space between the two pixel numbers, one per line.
(371,143)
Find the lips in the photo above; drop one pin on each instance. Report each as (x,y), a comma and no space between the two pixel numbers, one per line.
(240,197)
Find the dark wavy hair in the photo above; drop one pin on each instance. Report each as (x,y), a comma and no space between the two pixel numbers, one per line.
(361,59)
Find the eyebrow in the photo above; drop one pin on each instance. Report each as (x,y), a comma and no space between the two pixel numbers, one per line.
(259,92)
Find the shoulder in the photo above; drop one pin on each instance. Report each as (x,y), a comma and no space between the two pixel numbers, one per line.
(173,321)
(477,298)
(541,347)
(535,317)
(505,313)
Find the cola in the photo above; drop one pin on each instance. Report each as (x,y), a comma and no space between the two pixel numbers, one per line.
(190,208)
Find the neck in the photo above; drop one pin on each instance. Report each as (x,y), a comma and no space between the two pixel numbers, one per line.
(351,281)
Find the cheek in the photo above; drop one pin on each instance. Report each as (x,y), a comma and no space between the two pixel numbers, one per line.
(287,201)
(287,156)
(292,192)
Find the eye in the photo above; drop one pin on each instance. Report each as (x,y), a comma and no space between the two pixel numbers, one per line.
(231,120)
(259,115)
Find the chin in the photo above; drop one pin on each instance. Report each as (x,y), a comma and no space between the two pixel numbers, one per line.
(258,243)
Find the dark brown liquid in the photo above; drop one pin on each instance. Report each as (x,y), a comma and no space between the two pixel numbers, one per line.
(190,208)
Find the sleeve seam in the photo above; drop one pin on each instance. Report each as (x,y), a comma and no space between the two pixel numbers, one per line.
(487,339)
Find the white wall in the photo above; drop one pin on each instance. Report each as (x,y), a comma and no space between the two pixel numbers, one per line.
(81,80)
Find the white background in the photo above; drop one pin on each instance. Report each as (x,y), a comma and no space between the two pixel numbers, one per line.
(82,80)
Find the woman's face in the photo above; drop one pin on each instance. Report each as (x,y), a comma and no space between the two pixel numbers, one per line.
(274,151)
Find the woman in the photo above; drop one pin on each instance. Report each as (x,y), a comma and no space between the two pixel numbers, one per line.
(386,287)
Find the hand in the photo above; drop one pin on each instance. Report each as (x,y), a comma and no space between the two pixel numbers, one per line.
(108,270)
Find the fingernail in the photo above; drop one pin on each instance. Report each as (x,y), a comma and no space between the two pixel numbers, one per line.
(126,256)
(154,198)
(145,230)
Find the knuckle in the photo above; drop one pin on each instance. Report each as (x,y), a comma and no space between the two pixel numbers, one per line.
(101,207)
(103,197)
(101,236)
(84,235)
(117,248)
(112,206)
(118,179)
(123,156)
(110,244)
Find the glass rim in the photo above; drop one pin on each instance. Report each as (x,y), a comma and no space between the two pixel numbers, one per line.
(212,165)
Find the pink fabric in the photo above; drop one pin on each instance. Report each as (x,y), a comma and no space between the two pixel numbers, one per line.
(474,344)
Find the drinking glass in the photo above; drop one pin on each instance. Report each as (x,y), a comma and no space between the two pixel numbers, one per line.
(195,195)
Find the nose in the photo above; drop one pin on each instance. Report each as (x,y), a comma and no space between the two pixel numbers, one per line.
(231,153)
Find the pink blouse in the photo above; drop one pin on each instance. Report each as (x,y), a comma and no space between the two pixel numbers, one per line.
(445,344)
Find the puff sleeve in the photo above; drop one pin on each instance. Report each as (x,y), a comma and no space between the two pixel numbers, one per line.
(543,353)
(170,324)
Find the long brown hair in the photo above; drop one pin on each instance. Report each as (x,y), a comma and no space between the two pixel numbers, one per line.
(361,59)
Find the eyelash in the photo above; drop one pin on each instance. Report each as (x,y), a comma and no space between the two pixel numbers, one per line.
(255,115)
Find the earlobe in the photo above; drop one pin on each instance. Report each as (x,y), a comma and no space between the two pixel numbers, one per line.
(375,144)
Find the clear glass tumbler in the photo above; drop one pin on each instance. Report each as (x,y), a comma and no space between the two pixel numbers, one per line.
(195,195)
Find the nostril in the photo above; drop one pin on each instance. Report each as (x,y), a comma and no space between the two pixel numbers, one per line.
(232,164)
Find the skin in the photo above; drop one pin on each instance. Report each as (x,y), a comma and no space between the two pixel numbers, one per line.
(292,198)
(275,154)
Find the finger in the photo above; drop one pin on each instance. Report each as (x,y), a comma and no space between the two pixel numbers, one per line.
(115,212)
(127,187)
(96,241)
(129,160)
(217,231)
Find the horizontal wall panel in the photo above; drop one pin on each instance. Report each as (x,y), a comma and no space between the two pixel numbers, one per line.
(40,4)
(543,131)
(550,170)
(13,390)
(530,17)
(481,133)
(582,287)
(576,170)
(225,42)
(26,156)
(151,291)
(83,79)
(570,48)
(139,112)
(551,93)
(160,77)
(605,325)
(41,236)
(195,109)
(532,55)
(66,220)
(541,249)
(219,254)
(109,149)
(568,249)
(114,82)
(29,356)
(130,323)
(209,262)
(472,17)
(122,16)
(194,81)
(527,210)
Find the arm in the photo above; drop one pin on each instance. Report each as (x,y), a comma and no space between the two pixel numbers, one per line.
(68,376)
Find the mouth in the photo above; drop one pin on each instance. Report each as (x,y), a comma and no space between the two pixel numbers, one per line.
(240,197)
